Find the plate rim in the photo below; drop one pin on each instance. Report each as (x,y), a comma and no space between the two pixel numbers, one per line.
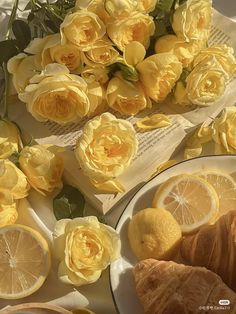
(151,179)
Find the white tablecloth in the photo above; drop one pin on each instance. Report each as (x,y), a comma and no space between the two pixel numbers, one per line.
(97,296)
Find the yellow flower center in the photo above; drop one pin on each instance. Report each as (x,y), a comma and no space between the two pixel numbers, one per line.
(60,105)
(86,248)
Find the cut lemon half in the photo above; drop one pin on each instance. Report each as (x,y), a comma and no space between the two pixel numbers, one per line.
(24,261)
(191,200)
(225,187)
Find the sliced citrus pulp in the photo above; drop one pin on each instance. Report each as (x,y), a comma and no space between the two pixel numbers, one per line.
(191,200)
(24,261)
(225,187)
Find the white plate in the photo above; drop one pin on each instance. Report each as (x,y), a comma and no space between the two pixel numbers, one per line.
(121,277)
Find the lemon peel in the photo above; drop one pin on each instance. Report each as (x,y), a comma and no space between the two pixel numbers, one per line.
(153,122)
(154,233)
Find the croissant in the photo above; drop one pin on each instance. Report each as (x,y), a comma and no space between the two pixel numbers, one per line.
(214,247)
(171,288)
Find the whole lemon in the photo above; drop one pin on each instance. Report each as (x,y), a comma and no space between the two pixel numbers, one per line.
(154,233)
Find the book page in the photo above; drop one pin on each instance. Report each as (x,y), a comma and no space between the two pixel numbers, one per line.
(153,149)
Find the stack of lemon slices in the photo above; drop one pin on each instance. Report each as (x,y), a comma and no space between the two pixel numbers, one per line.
(198,199)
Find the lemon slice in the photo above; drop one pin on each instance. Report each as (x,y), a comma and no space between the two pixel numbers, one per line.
(24,261)
(225,187)
(191,200)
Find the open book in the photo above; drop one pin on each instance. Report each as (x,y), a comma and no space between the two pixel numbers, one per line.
(155,147)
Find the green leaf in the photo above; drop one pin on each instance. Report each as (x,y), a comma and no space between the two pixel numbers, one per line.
(161,28)
(15,158)
(22,33)
(69,203)
(52,26)
(165,5)
(8,49)
(129,73)
(178,3)
(28,6)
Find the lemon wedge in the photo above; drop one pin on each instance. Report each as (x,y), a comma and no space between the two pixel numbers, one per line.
(225,187)
(24,261)
(191,200)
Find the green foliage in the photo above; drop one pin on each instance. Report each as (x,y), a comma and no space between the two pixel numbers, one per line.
(129,73)
(184,75)
(163,16)
(69,203)
(22,33)
(8,49)
(164,6)
(45,18)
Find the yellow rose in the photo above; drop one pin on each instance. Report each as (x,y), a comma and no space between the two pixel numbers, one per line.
(9,139)
(96,95)
(95,74)
(13,180)
(83,29)
(146,6)
(184,51)
(95,6)
(119,9)
(159,73)
(223,54)
(102,53)
(43,167)
(134,53)
(8,209)
(57,95)
(206,83)
(49,50)
(192,20)
(194,144)
(224,131)
(22,68)
(85,248)
(126,97)
(180,95)
(106,147)
(135,27)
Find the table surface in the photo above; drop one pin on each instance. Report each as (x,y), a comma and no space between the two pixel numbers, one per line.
(97,296)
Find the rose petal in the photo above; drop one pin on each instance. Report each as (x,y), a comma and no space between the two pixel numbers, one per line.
(77,279)
(154,121)
(110,186)
(134,53)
